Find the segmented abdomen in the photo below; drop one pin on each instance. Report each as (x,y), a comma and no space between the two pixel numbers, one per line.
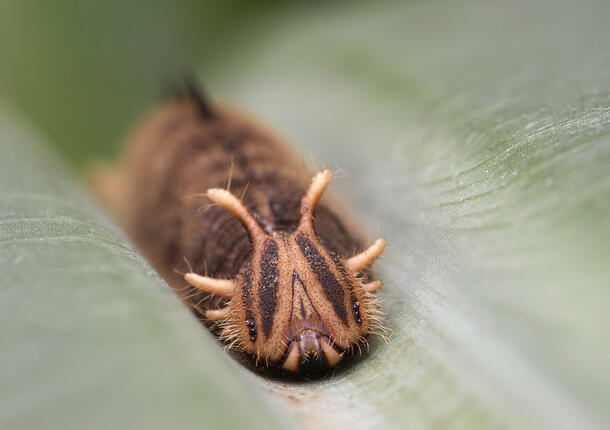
(178,154)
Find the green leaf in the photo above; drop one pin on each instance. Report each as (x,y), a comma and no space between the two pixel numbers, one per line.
(91,337)
(477,140)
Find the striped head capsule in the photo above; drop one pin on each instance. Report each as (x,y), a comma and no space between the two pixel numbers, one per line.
(295,299)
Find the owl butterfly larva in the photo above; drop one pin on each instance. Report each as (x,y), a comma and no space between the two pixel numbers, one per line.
(279,284)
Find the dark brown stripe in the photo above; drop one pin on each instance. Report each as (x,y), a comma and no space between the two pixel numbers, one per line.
(348,283)
(303,315)
(246,290)
(344,276)
(297,278)
(196,93)
(329,283)
(268,285)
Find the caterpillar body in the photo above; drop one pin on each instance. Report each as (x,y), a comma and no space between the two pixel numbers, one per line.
(278,273)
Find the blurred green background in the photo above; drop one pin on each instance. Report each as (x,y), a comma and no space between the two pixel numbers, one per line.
(476,136)
(84,71)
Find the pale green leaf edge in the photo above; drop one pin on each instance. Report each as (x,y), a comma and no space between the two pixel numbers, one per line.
(91,337)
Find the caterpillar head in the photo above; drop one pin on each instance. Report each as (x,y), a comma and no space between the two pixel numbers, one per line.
(295,299)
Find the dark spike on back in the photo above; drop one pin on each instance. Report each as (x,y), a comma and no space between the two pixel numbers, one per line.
(188,87)
(195,92)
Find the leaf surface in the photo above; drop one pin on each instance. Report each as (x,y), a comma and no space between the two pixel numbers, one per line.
(91,336)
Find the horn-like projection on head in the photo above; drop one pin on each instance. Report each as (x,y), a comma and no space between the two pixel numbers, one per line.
(232,204)
(310,201)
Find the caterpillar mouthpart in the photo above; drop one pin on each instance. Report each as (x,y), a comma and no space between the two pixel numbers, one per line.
(310,345)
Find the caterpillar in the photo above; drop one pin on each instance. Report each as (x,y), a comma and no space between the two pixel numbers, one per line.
(231,219)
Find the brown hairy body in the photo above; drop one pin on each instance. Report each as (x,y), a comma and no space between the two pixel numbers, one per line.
(175,160)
